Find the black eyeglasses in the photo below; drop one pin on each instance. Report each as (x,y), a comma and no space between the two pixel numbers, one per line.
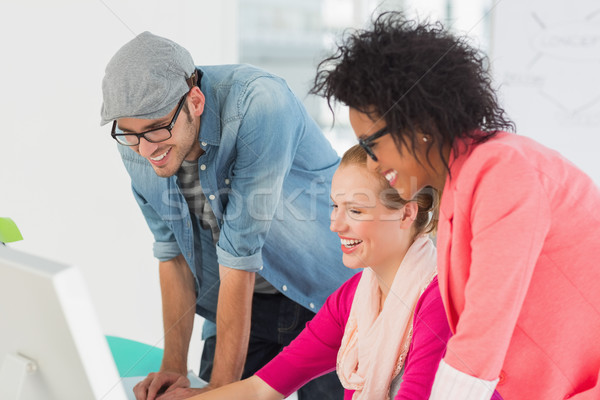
(153,135)
(367,142)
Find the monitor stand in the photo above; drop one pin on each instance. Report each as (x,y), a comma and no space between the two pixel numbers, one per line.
(13,374)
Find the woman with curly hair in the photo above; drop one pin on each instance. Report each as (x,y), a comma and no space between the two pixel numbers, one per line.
(384,330)
(518,237)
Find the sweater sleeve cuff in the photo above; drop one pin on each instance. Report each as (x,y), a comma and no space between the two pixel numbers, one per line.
(274,375)
(452,384)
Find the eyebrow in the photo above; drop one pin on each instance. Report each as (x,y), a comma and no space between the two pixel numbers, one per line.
(354,203)
(367,137)
(154,125)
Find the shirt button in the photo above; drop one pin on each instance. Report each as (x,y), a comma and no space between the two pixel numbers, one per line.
(284,287)
(261,267)
(212,197)
(203,167)
(312,305)
(204,144)
(227,181)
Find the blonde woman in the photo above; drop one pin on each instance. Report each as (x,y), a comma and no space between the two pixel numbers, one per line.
(384,330)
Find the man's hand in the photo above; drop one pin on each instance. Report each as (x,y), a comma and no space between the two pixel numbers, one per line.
(160,382)
(182,393)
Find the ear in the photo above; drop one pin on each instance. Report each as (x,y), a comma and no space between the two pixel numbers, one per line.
(196,101)
(411,209)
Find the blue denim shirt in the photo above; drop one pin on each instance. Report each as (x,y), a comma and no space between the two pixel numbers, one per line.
(266,172)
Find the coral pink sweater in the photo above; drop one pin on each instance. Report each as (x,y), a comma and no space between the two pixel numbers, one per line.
(519,267)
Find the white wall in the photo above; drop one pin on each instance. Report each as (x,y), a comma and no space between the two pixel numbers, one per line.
(546,58)
(61,179)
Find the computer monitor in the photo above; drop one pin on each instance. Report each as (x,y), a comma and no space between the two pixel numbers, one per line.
(51,343)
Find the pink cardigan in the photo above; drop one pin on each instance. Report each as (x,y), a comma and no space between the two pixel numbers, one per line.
(519,269)
(314,351)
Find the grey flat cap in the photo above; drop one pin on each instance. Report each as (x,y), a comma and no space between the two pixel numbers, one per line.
(145,79)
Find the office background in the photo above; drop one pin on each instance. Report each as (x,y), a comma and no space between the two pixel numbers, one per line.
(61,178)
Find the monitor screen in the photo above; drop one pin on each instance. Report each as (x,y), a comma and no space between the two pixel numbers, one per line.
(51,343)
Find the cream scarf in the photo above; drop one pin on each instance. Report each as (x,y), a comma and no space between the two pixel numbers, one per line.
(375,344)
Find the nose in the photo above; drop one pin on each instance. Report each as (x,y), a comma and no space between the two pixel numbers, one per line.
(146,148)
(372,165)
(338,223)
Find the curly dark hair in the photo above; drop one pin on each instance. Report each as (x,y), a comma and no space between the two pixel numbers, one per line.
(418,78)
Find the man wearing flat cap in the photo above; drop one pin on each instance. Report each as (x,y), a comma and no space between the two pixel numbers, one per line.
(232,177)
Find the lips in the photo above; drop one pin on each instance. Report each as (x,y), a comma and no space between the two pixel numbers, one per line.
(391,176)
(349,245)
(160,159)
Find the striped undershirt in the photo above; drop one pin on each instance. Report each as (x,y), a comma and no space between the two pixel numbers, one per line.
(189,181)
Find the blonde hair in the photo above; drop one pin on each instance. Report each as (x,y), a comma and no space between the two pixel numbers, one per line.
(427,199)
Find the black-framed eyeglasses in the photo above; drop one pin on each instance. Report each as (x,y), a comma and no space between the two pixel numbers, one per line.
(155,135)
(367,142)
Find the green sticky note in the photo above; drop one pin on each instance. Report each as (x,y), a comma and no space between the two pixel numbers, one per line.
(9,231)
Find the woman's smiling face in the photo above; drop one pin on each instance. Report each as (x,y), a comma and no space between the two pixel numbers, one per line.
(371,234)
(400,166)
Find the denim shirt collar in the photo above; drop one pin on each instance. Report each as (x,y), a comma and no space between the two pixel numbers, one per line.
(210,122)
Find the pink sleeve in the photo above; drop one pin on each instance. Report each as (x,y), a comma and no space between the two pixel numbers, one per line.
(314,352)
(503,199)
(430,335)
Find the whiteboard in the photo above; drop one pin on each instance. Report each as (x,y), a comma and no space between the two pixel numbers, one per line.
(545,58)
